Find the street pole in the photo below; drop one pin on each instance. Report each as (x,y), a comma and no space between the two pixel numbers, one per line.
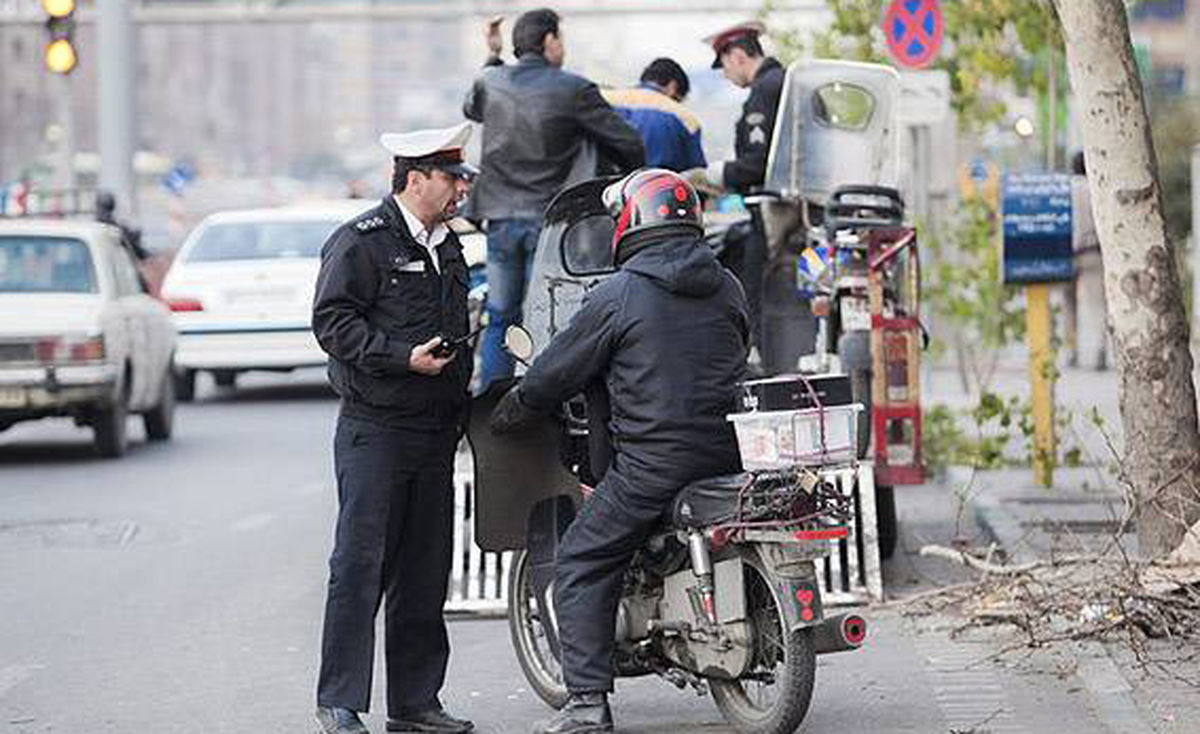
(115,61)
(65,173)
(1039,327)
(1052,114)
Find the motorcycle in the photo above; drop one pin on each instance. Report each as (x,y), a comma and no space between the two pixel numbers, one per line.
(724,596)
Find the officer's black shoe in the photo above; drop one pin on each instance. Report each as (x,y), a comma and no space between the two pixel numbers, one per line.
(584,713)
(429,720)
(340,721)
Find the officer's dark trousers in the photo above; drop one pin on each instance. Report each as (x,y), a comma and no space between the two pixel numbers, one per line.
(788,325)
(393,540)
(589,569)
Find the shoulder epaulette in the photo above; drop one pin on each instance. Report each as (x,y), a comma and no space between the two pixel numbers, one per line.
(370,224)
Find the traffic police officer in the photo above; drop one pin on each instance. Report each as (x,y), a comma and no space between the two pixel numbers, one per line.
(390,303)
(739,54)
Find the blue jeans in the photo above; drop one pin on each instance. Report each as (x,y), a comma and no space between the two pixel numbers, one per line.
(511,246)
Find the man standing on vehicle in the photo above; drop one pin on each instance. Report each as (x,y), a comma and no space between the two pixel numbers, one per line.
(536,118)
(131,237)
(739,54)
(391,298)
(670,132)
(667,336)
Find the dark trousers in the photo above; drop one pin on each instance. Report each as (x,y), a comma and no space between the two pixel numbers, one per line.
(393,540)
(589,569)
(788,326)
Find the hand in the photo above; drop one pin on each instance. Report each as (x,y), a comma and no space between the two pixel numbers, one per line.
(510,414)
(422,361)
(707,180)
(491,36)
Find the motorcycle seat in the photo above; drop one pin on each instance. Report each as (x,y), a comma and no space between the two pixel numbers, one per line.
(708,501)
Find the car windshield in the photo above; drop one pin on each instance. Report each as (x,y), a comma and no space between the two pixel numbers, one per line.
(261,240)
(46,265)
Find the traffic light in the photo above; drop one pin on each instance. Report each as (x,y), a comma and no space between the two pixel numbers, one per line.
(59,54)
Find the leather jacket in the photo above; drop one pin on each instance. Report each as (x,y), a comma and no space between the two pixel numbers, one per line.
(536,119)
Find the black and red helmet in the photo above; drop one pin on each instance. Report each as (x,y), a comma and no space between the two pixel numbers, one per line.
(651,198)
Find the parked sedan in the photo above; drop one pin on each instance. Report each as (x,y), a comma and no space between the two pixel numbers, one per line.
(241,291)
(79,334)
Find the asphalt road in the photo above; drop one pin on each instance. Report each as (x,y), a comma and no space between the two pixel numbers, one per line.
(180,589)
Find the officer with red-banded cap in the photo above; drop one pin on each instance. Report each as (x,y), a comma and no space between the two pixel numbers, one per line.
(390,310)
(739,54)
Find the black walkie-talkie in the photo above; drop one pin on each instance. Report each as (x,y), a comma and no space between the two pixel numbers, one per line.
(446,347)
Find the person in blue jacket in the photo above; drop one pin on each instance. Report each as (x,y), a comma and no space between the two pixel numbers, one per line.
(670,131)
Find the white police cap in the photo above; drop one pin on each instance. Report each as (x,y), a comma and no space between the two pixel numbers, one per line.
(438,148)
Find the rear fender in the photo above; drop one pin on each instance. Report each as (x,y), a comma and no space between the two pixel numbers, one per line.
(795,584)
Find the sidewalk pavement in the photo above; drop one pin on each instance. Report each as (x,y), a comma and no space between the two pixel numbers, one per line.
(1080,513)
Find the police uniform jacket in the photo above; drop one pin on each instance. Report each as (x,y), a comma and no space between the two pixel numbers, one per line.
(667,335)
(378,296)
(753,140)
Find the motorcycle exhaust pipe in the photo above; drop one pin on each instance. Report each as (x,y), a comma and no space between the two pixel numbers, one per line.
(840,633)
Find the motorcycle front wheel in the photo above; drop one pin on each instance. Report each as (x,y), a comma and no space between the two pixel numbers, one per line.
(774,697)
(529,618)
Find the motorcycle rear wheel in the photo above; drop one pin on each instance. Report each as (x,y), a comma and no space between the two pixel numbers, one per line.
(790,657)
(526,625)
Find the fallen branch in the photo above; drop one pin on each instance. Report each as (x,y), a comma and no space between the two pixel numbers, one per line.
(970,561)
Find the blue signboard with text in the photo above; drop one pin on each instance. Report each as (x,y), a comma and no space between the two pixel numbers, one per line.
(1037,228)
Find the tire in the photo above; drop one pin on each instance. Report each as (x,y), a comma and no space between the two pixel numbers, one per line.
(794,674)
(225,378)
(160,420)
(885,513)
(539,663)
(109,431)
(854,351)
(185,385)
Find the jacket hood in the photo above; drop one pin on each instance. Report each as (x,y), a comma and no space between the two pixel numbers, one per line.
(680,264)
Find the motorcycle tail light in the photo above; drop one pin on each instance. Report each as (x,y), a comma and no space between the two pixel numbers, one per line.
(820,306)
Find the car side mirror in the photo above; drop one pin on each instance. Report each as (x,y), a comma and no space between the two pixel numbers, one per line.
(518,342)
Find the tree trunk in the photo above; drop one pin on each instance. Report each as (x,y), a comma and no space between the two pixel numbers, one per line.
(1141,281)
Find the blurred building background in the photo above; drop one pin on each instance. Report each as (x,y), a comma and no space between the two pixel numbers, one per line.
(302,89)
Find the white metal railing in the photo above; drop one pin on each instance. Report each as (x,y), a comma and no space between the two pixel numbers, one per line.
(478,580)
(851,574)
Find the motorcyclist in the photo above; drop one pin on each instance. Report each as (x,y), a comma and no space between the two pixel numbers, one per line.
(667,336)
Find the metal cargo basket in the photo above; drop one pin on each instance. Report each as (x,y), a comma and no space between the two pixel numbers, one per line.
(775,439)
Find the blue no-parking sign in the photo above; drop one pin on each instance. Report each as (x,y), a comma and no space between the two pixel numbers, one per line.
(1037,228)
(914,30)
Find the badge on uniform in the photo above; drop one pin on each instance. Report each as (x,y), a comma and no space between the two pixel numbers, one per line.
(413,266)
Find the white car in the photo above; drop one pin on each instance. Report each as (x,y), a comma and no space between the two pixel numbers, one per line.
(241,290)
(79,334)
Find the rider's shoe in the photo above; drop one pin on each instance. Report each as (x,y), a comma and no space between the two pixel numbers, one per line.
(340,721)
(584,713)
